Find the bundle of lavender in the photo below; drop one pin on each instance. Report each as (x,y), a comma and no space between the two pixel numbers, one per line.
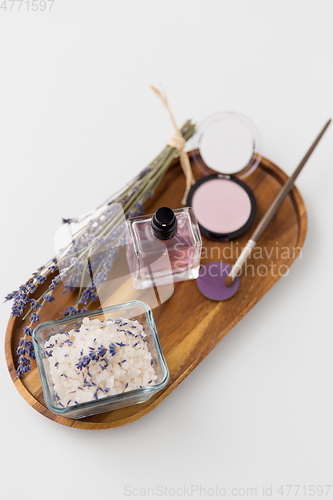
(90,254)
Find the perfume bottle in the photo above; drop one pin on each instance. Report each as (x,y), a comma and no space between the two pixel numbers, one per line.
(164,247)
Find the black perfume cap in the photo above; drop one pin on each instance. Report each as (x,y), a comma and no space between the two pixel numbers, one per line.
(164,223)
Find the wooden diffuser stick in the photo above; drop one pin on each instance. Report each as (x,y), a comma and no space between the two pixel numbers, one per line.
(265,221)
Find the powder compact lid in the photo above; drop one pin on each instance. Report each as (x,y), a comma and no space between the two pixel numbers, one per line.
(227,146)
(227,143)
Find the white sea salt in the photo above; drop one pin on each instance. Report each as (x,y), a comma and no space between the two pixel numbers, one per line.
(100,359)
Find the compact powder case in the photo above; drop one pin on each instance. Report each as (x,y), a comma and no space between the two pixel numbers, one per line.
(224,206)
(226,149)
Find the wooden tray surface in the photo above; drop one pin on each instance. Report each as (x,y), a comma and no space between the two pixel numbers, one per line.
(189,325)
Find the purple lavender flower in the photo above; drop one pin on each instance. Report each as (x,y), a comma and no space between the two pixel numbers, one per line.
(112,349)
(10,295)
(56,281)
(96,354)
(34,304)
(64,273)
(107,266)
(97,241)
(89,294)
(48,297)
(40,278)
(23,366)
(53,268)
(121,344)
(20,302)
(32,288)
(27,331)
(83,362)
(101,350)
(34,318)
(31,351)
(70,311)
(101,278)
(22,347)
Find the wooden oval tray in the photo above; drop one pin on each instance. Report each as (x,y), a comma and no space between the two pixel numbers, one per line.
(189,325)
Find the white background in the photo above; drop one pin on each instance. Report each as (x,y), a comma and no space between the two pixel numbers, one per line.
(77,121)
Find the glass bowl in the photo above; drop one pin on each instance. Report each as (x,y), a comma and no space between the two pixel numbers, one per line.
(135,309)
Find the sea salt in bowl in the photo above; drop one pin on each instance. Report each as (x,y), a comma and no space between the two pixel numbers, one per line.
(68,349)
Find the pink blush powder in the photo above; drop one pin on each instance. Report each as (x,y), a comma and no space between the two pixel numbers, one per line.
(221,205)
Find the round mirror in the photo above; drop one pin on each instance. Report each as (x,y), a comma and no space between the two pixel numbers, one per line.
(227,143)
